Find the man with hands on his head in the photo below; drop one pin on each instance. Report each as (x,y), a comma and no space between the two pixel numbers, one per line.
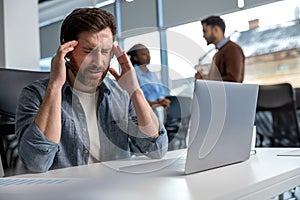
(77,115)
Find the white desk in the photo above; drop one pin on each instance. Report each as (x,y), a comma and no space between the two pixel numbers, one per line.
(263,176)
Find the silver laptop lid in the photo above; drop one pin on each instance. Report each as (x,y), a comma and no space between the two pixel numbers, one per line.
(221,124)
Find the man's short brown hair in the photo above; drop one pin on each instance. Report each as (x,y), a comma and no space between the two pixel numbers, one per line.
(86,19)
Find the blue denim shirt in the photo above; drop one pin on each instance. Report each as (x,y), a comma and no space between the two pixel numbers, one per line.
(116,119)
(150,84)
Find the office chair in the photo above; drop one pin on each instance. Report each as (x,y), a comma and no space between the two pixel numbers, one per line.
(177,121)
(297,91)
(1,168)
(12,82)
(276,118)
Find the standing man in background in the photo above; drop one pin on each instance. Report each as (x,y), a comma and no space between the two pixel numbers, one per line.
(229,62)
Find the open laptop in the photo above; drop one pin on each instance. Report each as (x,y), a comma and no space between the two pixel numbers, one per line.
(222,122)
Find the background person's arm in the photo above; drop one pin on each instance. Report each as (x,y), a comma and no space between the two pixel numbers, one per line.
(160,102)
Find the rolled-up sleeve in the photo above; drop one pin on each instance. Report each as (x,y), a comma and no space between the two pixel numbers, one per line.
(35,150)
(149,146)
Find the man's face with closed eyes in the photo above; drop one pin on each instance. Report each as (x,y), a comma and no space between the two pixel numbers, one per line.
(91,57)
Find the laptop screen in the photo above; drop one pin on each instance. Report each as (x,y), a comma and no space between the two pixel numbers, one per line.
(222,122)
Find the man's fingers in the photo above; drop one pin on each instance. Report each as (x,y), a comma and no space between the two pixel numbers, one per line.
(66,48)
(123,60)
(120,54)
(117,50)
(70,43)
(198,75)
(114,73)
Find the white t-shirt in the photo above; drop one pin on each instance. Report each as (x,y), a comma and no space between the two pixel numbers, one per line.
(89,103)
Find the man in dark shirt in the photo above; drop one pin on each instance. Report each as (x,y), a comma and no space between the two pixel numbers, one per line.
(229,62)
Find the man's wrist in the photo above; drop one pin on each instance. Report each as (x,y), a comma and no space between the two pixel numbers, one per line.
(136,94)
(54,89)
(53,86)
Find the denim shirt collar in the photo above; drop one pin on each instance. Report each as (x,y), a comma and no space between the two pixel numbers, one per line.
(222,43)
(102,88)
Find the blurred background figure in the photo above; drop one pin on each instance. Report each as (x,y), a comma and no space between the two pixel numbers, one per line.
(228,63)
(148,80)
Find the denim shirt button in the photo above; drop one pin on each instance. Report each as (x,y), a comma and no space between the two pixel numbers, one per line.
(85,151)
(84,129)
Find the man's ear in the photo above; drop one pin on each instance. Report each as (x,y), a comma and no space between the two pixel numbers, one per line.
(217,29)
(68,55)
(135,58)
(214,29)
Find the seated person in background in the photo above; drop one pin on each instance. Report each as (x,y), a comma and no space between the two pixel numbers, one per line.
(78,116)
(149,82)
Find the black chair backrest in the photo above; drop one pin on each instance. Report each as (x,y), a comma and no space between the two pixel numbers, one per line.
(180,107)
(276,104)
(297,90)
(275,96)
(177,122)
(12,81)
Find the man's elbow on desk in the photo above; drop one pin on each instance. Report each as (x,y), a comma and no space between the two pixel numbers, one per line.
(161,146)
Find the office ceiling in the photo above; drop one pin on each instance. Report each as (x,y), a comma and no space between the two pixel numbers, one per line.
(189,10)
(174,13)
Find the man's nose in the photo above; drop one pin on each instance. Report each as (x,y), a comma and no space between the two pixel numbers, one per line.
(98,58)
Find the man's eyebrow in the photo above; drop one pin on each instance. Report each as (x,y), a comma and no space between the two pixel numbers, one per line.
(88,47)
(105,49)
